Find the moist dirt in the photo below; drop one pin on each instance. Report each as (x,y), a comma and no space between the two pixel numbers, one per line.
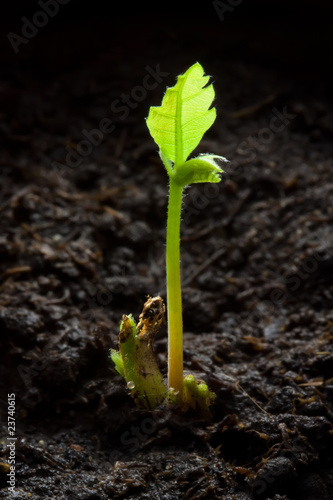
(83,242)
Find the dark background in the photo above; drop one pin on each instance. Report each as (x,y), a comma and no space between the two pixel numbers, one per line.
(90,41)
(295,33)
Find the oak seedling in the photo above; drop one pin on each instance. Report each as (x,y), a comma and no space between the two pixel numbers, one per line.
(177,126)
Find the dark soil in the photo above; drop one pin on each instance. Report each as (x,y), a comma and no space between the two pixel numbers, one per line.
(83,239)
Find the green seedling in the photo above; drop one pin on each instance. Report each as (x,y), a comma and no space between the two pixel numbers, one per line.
(135,360)
(177,126)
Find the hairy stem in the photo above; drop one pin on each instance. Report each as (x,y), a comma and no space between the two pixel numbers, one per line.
(174,298)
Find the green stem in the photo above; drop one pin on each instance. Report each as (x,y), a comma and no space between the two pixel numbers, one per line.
(174,298)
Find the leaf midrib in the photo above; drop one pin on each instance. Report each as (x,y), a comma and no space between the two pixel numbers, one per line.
(178,127)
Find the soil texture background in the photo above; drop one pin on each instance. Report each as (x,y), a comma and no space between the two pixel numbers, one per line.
(83,199)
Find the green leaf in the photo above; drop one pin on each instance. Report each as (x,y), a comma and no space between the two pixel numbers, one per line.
(197,395)
(118,361)
(131,323)
(116,356)
(178,125)
(203,168)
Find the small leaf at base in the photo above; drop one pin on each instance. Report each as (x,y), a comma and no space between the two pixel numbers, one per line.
(197,395)
(118,361)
